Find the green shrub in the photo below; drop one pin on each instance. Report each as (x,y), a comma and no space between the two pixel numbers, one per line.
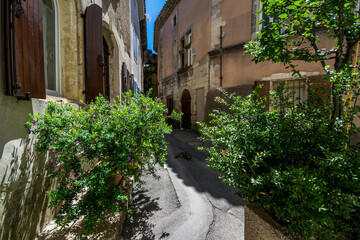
(88,147)
(291,160)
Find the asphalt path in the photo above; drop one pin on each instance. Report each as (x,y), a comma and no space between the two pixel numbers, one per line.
(188,202)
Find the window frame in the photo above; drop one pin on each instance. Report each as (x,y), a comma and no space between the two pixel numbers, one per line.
(185,52)
(174,21)
(257,5)
(58,76)
(304,85)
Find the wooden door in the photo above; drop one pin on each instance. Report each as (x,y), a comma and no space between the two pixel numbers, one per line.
(186,110)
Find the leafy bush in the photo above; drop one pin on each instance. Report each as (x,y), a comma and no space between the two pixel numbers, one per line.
(291,160)
(89,147)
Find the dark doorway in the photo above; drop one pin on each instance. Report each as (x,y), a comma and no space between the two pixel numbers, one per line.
(186,110)
(170,107)
(106,68)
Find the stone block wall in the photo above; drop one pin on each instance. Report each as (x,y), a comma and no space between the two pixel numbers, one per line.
(193,78)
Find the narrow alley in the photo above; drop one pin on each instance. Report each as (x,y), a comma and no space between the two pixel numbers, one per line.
(188,201)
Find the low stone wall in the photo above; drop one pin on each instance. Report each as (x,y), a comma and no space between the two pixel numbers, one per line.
(260,226)
(110,229)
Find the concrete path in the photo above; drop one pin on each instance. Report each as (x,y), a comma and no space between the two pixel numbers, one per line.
(188,202)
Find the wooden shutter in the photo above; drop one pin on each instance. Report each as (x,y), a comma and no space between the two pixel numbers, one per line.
(94,58)
(25,53)
(124,78)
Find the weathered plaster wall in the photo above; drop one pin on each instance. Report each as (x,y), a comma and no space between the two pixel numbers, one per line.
(239,24)
(72,45)
(194,80)
(228,65)
(188,13)
(237,21)
(136,64)
(238,69)
(119,19)
(23,181)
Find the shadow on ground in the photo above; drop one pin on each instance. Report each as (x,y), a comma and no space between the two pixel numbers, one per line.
(137,224)
(195,172)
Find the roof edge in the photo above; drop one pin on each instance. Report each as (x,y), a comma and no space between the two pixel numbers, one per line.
(164,14)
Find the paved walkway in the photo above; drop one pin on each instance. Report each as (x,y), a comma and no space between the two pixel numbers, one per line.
(188,202)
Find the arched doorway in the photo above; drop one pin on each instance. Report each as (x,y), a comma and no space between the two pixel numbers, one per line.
(186,110)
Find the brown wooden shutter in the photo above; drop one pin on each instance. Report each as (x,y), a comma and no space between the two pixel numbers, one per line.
(124,78)
(94,58)
(25,53)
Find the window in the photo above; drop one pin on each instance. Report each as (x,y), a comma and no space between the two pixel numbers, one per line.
(256,18)
(186,50)
(174,21)
(264,17)
(51,47)
(297,89)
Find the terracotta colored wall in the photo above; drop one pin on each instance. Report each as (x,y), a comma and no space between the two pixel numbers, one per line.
(237,17)
(238,69)
(190,13)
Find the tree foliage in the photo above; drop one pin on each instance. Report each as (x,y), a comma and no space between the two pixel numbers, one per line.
(299,29)
(298,32)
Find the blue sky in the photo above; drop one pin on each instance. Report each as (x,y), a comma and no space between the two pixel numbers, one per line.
(153,8)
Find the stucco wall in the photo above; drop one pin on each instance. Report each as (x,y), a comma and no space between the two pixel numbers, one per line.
(238,69)
(188,13)
(136,67)
(237,21)
(23,181)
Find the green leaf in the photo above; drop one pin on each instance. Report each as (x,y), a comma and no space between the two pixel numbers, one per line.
(298,3)
(284,15)
(291,7)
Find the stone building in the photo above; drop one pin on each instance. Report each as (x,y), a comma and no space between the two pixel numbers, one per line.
(65,51)
(200,46)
